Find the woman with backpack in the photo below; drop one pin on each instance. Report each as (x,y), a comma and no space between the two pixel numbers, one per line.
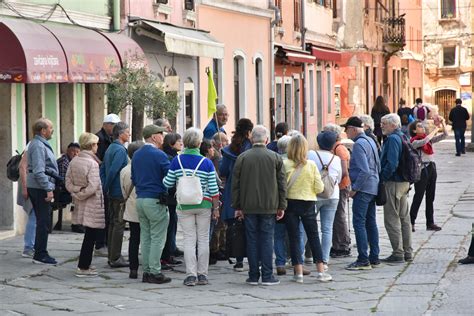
(303,184)
(197,195)
(329,166)
(427,184)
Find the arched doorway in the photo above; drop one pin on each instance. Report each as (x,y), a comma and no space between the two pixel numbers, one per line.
(445,100)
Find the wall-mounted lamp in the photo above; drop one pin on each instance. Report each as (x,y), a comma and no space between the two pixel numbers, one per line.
(318,64)
(328,66)
(336,67)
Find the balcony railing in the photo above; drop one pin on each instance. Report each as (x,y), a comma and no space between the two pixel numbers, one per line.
(394,31)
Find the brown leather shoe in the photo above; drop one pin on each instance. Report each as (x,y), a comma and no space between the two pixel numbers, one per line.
(281,270)
(433,227)
(306,272)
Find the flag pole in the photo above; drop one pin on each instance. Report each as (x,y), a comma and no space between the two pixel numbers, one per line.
(215,113)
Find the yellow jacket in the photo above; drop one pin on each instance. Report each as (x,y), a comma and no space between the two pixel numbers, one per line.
(308,183)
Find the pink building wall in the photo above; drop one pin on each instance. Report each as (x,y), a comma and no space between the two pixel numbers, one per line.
(242,34)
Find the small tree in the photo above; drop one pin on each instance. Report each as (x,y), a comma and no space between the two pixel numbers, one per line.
(140,88)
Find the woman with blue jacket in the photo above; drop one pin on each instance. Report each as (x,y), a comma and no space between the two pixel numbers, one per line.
(240,142)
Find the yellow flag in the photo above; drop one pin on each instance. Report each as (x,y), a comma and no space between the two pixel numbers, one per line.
(211,95)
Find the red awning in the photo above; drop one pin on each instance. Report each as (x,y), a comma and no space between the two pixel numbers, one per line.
(91,57)
(326,54)
(29,53)
(127,49)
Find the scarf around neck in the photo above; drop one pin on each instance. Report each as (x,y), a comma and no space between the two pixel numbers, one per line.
(427,148)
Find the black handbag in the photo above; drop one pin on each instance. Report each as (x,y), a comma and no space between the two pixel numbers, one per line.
(381,197)
(236,242)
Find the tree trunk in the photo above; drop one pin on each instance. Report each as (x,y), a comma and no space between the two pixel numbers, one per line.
(137,124)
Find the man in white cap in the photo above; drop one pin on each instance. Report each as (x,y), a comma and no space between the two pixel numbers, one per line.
(105,134)
(105,139)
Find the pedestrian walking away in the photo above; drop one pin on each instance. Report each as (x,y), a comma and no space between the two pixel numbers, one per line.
(458,117)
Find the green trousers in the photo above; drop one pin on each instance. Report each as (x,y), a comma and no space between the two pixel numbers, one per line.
(154,220)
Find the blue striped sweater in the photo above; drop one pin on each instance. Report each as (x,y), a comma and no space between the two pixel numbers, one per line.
(206,172)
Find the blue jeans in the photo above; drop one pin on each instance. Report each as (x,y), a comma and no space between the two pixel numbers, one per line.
(259,229)
(365,227)
(459,139)
(43,220)
(302,211)
(327,210)
(279,245)
(30,232)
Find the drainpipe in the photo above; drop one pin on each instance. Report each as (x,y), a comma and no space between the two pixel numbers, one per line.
(116,15)
(303,46)
(277,19)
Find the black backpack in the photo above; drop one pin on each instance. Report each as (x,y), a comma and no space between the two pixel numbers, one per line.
(410,165)
(13,167)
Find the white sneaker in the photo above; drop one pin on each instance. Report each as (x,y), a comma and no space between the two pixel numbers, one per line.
(298,278)
(308,260)
(101,252)
(326,267)
(323,277)
(86,273)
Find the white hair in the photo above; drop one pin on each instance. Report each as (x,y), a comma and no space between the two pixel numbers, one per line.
(220,107)
(192,137)
(392,119)
(282,144)
(367,120)
(259,134)
(331,127)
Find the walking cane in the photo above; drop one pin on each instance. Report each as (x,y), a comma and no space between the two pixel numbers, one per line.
(348,214)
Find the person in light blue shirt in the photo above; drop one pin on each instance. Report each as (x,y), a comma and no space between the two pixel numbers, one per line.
(363,172)
(212,128)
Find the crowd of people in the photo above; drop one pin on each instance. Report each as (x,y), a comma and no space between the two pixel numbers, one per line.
(273,191)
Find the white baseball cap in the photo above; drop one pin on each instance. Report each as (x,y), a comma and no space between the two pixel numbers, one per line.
(112,118)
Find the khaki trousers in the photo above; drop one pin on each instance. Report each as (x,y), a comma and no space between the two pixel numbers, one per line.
(397,218)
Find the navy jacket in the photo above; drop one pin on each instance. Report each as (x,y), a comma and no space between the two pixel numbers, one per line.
(390,157)
(115,159)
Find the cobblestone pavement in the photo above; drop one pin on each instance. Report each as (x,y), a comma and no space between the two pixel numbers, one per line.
(432,284)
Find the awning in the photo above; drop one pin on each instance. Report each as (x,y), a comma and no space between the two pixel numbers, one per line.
(91,57)
(295,55)
(127,49)
(326,54)
(300,58)
(30,53)
(183,41)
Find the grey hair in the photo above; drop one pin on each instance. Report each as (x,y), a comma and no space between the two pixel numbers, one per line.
(293,132)
(331,127)
(392,119)
(282,144)
(367,120)
(259,134)
(133,147)
(119,129)
(161,122)
(220,107)
(41,124)
(192,137)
